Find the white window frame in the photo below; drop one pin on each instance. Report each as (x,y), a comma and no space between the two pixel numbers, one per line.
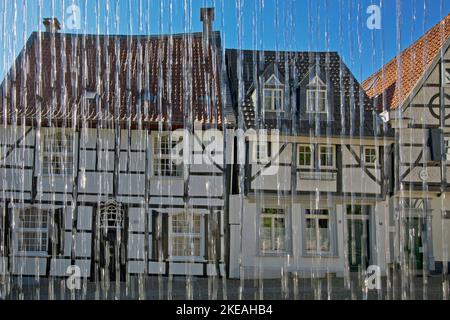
(41,230)
(311,147)
(333,155)
(316,217)
(278,88)
(111,217)
(158,156)
(273,239)
(365,149)
(63,154)
(316,101)
(189,235)
(273,92)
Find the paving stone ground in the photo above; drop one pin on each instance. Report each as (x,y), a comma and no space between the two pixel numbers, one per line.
(157,288)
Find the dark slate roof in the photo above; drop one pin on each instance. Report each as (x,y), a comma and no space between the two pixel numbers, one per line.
(146,79)
(352,111)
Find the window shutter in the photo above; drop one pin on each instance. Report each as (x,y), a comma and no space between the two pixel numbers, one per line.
(155,235)
(160,239)
(56,233)
(208,249)
(165,234)
(436,144)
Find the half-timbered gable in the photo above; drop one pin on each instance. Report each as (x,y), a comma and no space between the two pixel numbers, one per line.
(314,146)
(413,92)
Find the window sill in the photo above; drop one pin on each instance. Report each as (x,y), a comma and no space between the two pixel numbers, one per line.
(166,178)
(320,255)
(186,259)
(272,255)
(317,112)
(317,176)
(48,175)
(30,254)
(308,168)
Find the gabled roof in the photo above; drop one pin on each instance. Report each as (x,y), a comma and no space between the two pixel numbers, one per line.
(395,81)
(352,111)
(146,79)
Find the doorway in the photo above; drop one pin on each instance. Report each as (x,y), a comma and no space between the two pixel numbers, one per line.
(414,242)
(111,242)
(358,237)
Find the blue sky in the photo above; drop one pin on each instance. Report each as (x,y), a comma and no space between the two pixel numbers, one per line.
(301,25)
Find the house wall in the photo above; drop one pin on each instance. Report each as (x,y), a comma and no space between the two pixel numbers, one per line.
(250,262)
(349,174)
(420,175)
(97,179)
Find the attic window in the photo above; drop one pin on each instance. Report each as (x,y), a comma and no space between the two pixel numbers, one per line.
(316,96)
(273,95)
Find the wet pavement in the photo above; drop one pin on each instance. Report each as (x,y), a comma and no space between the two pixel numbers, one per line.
(179,287)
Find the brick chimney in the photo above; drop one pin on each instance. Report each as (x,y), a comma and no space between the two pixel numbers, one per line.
(207,17)
(51,25)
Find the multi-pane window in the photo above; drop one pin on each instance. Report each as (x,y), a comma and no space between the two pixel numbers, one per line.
(370,155)
(305,156)
(186,235)
(164,164)
(326,156)
(316,101)
(111,217)
(273,230)
(32,230)
(57,155)
(317,231)
(273,99)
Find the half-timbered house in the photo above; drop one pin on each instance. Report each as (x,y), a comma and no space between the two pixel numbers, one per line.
(86,170)
(310,198)
(412,92)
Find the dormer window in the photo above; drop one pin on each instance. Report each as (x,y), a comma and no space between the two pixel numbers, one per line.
(273,95)
(316,96)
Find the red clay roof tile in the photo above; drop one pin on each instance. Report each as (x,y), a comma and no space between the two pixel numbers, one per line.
(395,81)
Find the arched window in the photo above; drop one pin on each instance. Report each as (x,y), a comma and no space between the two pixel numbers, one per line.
(111,216)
